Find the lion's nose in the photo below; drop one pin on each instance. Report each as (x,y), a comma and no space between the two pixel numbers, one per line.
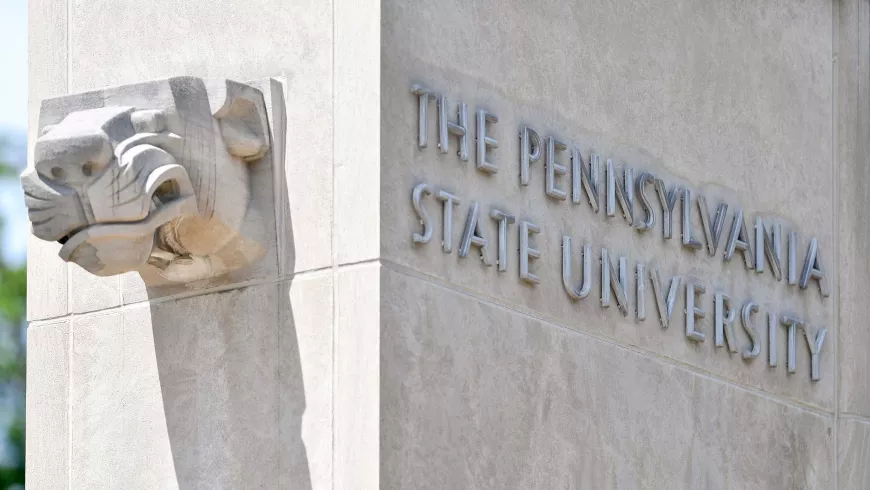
(72,159)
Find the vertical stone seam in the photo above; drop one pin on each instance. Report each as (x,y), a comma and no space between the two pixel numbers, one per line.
(334,262)
(69,400)
(835,183)
(70,316)
(69,6)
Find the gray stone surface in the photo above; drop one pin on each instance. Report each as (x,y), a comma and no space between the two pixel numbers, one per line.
(118,431)
(354,359)
(853,454)
(92,293)
(306,340)
(475,395)
(358,402)
(47,281)
(357,145)
(853,153)
(671,97)
(47,452)
(226,390)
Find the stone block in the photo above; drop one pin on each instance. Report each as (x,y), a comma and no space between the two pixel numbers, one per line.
(118,429)
(47,75)
(308,184)
(92,293)
(853,170)
(306,366)
(357,147)
(47,438)
(47,281)
(688,115)
(358,399)
(224,390)
(476,395)
(853,458)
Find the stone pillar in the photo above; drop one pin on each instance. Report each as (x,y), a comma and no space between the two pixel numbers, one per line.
(462,284)
(226,382)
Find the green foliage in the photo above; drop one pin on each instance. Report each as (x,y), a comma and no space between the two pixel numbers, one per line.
(13,291)
(6,169)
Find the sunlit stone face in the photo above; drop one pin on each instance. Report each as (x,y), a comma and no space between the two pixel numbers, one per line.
(150,174)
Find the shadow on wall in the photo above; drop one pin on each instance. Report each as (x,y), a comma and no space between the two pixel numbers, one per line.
(231,380)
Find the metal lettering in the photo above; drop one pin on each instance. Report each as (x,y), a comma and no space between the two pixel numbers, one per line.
(815,342)
(664,304)
(649,212)
(527,252)
(484,142)
(447,128)
(504,220)
(420,191)
(791,324)
(667,199)
(772,321)
(769,245)
(712,232)
(693,312)
(640,300)
(586,286)
(813,269)
(553,169)
(792,259)
(448,201)
(423,97)
(724,316)
(583,178)
(615,280)
(754,348)
(623,193)
(530,152)
(472,235)
(739,240)
(688,241)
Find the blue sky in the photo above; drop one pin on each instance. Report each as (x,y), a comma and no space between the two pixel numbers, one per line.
(13,121)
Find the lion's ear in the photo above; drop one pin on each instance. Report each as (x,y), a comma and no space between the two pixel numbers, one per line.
(148,121)
(241,113)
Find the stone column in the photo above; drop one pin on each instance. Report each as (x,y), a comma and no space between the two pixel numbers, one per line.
(226,382)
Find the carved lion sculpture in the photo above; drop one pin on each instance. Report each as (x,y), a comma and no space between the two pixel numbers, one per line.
(153,174)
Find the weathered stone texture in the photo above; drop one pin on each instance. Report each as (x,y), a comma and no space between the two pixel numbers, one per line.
(47,412)
(352,358)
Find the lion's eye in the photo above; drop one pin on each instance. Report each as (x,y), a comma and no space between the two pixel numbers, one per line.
(57,173)
(88,169)
(166,192)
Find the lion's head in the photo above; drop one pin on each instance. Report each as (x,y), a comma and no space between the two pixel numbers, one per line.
(148,174)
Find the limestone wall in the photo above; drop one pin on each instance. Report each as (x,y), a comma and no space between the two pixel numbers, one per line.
(354,356)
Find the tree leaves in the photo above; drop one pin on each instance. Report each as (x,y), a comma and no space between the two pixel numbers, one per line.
(13,293)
